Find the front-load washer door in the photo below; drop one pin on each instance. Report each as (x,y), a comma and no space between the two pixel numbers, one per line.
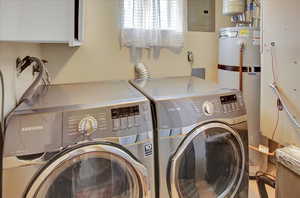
(92,170)
(209,163)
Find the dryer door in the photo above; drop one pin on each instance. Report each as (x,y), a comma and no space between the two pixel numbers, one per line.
(92,170)
(210,162)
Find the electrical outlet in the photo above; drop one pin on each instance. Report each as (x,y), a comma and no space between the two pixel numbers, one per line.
(198,72)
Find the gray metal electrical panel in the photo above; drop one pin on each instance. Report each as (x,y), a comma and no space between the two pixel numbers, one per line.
(201,15)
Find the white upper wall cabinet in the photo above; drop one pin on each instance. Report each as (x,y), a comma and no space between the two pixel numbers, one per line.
(42,21)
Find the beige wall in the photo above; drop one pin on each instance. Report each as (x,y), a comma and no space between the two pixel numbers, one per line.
(15,86)
(282,29)
(100,58)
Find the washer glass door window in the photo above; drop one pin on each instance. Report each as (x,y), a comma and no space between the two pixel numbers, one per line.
(210,162)
(93,171)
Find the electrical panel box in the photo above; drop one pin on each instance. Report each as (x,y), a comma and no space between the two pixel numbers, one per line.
(201,15)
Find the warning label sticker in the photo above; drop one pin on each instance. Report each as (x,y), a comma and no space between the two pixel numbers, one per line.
(244,33)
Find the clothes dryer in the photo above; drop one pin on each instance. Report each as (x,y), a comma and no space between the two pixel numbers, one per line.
(202,138)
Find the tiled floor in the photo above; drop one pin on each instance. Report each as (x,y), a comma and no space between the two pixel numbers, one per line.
(253,191)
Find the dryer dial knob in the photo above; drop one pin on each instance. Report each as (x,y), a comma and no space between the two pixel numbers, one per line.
(208,108)
(88,125)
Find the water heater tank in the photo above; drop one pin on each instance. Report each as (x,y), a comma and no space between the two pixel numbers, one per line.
(233,7)
(230,42)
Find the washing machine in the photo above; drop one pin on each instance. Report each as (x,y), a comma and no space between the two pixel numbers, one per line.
(201,137)
(88,140)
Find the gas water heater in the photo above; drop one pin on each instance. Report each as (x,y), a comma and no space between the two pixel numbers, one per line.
(233,7)
(239,68)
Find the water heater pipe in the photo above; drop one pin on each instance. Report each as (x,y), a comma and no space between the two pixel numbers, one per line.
(241,65)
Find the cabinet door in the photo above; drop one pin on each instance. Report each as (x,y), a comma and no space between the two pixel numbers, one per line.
(44,21)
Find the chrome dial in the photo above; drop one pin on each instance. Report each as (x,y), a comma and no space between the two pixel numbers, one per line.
(88,125)
(208,108)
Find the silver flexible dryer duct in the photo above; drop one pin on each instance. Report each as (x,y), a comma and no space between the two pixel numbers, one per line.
(141,71)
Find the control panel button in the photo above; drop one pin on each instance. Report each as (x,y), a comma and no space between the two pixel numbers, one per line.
(116,124)
(124,123)
(233,106)
(225,109)
(130,122)
(229,108)
(137,120)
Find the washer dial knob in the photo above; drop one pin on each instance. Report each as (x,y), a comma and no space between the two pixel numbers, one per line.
(208,108)
(88,125)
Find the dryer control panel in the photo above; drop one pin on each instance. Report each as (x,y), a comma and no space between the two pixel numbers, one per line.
(181,112)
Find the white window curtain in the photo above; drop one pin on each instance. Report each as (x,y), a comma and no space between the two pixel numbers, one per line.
(152,24)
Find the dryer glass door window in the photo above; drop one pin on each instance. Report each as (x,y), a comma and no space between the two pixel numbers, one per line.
(209,163)
(97,174)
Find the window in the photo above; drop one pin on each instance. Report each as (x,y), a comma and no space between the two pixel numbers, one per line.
(152,24)
(163,16)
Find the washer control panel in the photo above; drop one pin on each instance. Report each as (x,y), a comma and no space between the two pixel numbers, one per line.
(127,122)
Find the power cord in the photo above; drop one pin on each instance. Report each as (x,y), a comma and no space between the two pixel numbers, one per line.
(275,80)
(276,124)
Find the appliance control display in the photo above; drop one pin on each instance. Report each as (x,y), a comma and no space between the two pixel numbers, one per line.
(125,112)
(228,99)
